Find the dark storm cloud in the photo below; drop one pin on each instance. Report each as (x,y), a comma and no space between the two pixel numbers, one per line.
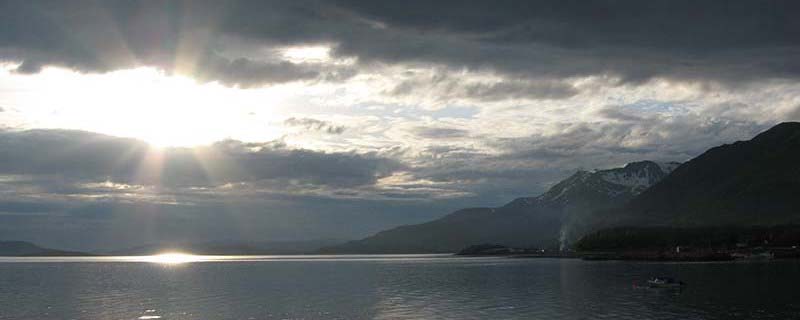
(83,156)
(661,23)
(726,41)
(175,36)
(722,40)
(76,153)
(314,125)
(245,72)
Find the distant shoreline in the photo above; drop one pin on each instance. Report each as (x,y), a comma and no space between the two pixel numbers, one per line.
(577,256)
(655,256)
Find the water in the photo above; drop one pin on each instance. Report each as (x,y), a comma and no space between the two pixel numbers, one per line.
(390,287)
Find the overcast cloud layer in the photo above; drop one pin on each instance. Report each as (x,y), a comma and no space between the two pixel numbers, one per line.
(730,41)
(335,119)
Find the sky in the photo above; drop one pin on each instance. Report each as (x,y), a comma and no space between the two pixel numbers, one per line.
(125,123)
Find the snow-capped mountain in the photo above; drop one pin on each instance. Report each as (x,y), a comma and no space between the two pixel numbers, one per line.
(632,179)
(553,219)
(585,193)
(746,191)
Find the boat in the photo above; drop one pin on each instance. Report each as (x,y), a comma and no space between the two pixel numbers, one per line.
(764,255)
(664,282)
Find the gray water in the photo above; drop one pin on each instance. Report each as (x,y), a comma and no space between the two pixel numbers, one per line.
(392,287)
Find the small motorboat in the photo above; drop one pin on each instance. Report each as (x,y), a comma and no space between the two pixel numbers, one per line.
(763,255)
(664,282)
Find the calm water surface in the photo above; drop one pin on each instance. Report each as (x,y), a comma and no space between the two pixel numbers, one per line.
(391,287)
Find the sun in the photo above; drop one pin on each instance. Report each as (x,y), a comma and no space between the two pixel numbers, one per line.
(161,108)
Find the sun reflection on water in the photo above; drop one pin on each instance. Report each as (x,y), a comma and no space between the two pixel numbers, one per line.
(171,258)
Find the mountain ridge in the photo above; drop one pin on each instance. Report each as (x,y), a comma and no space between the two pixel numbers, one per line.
(14,248)
(549,220)
(753,182)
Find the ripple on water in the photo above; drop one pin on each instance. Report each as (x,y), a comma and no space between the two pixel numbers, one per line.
(393,288)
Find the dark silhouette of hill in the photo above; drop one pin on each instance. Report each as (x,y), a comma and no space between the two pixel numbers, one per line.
(755,182)
(26,249)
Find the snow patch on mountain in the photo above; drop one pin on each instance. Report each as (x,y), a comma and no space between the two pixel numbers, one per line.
(638,176)
(633,180)
(668,167)
(618,183)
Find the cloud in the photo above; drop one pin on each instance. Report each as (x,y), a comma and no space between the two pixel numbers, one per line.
(616,113)
(77,189)
(440,133)
(629,39)
(731,42)
(83,156)
(604,144)
(183,38)
(314,125)
(794,114)
(446,87)
(246,73)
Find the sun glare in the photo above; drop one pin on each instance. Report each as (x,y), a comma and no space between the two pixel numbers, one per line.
(172,258)
(166,110)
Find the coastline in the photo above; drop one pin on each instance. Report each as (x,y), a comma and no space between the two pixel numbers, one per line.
(759,254)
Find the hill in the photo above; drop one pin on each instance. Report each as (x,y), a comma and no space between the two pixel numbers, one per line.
(755,182)
(551,220)
(27,249)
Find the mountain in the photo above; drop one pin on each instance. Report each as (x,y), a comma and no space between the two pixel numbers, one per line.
(550,220)
(22,248)
(231,248)
(755,182)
